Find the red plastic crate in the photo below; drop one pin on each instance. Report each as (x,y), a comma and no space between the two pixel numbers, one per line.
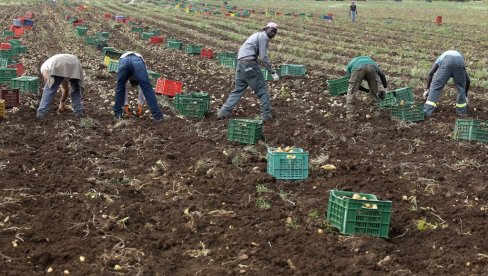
(19,66)
(18,32)
(107,16)
(78,22)
(207,53)
(157,39)
(168,87)
(11,97)
(5,46)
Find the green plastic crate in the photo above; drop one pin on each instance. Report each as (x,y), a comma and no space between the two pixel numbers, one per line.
(228,62)
(396,97)
(7,53)
(192,49)
(17,50)
(7,74)
(292,70)
(81,30)
(226,55)
(105,35)
(292,165)
(409,112)
(153,77)
(245,131)
(105,49)
(155,31)
(3,62)
(147,35)
(113,66)
(25,84)
(193,104)
(266,74)
(113,54)
(353,217)
(8,33)
(174,44)
(338,86)
(471,130)
(137,29)
(14,42)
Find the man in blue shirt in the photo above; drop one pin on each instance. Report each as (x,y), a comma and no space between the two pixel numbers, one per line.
(449,64)
(249,74)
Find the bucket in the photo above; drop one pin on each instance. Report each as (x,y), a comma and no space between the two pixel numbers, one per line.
(438,20)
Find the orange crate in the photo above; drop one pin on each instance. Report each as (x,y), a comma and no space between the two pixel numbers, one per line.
(168,87)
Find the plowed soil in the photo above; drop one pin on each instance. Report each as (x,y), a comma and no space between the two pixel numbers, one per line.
(177,198)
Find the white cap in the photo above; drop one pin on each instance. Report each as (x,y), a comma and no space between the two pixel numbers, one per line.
(272,25)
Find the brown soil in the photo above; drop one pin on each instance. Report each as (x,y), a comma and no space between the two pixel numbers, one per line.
(178,199)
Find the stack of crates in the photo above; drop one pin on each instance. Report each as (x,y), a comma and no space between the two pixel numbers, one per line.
(338,86)
(193,104)
(365,216)
(17,66)
(7,74)
(471,130)
(174,44)
(292,70)
(245,131)
(288,165)
(168,87)
(113,66)
(193,49)
(25,84)
(10,96)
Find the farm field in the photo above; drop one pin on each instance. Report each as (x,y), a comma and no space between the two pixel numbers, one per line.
(177,198)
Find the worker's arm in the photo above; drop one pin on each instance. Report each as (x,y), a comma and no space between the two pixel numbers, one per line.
(468,83)
(382,78)
(431,74)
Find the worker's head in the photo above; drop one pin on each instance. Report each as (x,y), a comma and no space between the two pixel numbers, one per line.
(271,29)
(352,2)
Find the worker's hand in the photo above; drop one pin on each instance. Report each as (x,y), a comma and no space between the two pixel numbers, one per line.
(275,76)
(425,94)
(382,95)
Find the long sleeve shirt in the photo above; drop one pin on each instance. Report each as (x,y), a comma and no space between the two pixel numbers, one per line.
(359,61)
(256,46)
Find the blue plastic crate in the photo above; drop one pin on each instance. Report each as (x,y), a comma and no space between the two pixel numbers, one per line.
(292,165)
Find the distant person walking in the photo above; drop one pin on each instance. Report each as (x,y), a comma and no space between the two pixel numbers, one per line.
(448,65)
(353,11)
(133,67)
(249,74)
(57,70)
(364,68)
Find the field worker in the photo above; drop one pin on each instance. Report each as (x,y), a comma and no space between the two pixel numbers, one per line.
(449,64)
(140,98)
(364,68)
(132,66)
(56,70)
(249,74)
(353,11)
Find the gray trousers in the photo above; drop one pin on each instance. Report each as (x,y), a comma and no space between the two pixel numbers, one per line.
(248,74)
(368,73)
(454,67)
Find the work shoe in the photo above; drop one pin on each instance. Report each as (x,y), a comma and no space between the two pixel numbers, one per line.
(41,115)
(222,115)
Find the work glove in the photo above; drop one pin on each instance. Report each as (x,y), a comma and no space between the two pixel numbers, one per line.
(382,94)
(275,76)
(425,94)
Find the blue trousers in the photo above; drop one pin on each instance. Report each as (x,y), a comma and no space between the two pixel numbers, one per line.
(134,66)
(451,67)
(49,92)
(248,74)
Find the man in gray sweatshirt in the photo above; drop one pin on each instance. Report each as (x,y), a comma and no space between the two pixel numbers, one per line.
(249,74)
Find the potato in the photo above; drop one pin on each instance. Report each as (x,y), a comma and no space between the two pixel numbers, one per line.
(356,196)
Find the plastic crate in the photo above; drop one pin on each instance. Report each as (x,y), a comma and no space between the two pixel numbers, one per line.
(153,77)
(228,62)
(14,42)
(396,97)
(113,66)
(409,113)
(8,33)
(18,66)
(5,46)
(292,165)
(226,55)
(471,130)
(174,44)
(245,131)
(338,86)
(193,49)
(193,104)
(207,53)
(147,35)
(81,30)
(105,35)
(136,29)
(292,70)
(10,96)
(157,39)
(112,54)
(7,54)
(2,108)
(25,84)
(168,87)
(7,74)
(353,217)
(105,49)
(266,74)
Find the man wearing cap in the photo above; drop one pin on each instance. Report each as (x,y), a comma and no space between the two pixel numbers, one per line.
(449,64)
(249,74)
(133,67)
(353,11)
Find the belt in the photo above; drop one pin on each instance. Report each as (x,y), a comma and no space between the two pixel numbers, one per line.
(247,60)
